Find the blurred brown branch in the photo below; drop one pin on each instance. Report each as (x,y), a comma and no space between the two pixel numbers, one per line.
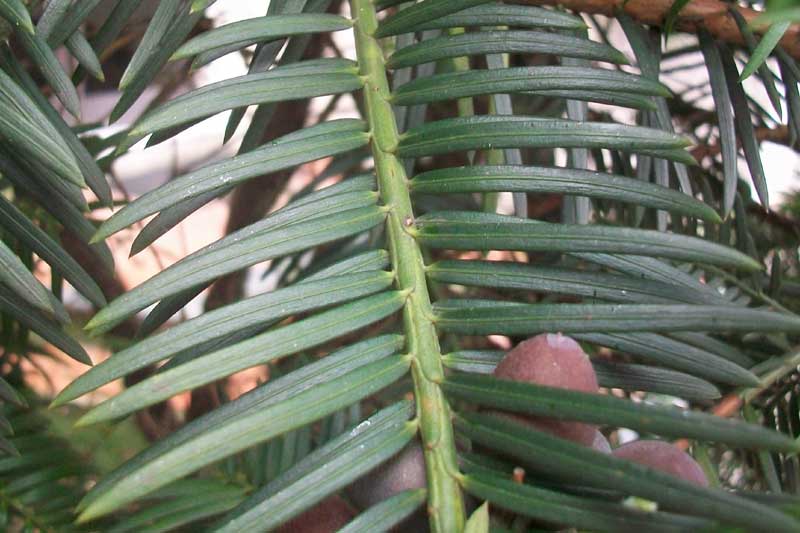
(711,14)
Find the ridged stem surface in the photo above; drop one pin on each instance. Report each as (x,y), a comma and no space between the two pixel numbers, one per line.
(445,504)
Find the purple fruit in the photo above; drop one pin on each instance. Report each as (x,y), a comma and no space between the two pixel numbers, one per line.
(553,360)
(327,516)
(404,471)
(665,457)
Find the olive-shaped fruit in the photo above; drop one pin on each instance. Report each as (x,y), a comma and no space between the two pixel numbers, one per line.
(665,457)
(404,471)
(553,360)
(328,516)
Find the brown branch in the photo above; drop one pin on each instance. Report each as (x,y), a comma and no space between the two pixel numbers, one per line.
(248,204)
(160,419)
(726,408)
(711,14)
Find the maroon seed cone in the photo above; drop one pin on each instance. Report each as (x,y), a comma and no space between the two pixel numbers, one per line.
(553,360)
(665,457)
(405,471)
(327,516)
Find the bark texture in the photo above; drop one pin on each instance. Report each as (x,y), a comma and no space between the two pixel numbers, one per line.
(711,14)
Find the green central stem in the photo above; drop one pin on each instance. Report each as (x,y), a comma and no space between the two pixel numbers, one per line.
(445,504)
